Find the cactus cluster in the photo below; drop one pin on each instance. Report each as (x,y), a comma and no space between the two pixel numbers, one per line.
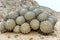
(25,20)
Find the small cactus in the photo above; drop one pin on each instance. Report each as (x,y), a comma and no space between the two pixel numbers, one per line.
(25,28)
(18,11)
(2,27)
(31,8)
(51,20)
(53,17)
(12,15)
(23,11)
(5,17)
(27,7)
(42,16)
(20,20)
(10,24)
(16,29)
(34,24)
(29,15)
(46,27)
(37,11)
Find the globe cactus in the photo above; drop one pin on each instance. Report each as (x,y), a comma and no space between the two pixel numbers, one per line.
(23,11)
(34,24)
(13,15)
(16,29)
(10,24)
(20,20)
(31,8)
(27,7)
(2,27)
(25,28)
(46,27)
(53,17)
(29,15)
(18,11)
(5,17)
(37,11)
(42,16)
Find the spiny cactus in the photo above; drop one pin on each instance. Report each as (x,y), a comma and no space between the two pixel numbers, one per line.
(25,28)
(31,8)
(12,15)
(10,24)
(43,16)
(46,27)
(53,17)
(20,20)
(16,29)
(23,11)
(29,15)
(2,27)
(5,17)
(34,24)
(37,11)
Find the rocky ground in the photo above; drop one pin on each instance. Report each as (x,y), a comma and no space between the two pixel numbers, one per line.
(10,5)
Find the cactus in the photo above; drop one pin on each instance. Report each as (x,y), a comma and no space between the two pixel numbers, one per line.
(10,24)
(46,27)
(34,24)
(31,8)
(18,11)
(23,11)
(20,20)
(53,17)
(29,15)
(37,11)
(43,16)
(5,17)
(2,27)
(12,15)
(25,28)
(16,29)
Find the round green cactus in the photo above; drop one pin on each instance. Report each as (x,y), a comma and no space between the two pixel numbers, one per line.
(29,15)
(10,24)
(34,24)
(20,20)
(51,20)
(2,27)
(25,28)
(37,11)
(42,16)
(13,15)
(53,17)
(5,17)
(16,29)
(46,27)
(18,11)
(27,7)
(31,8)
(23,11)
